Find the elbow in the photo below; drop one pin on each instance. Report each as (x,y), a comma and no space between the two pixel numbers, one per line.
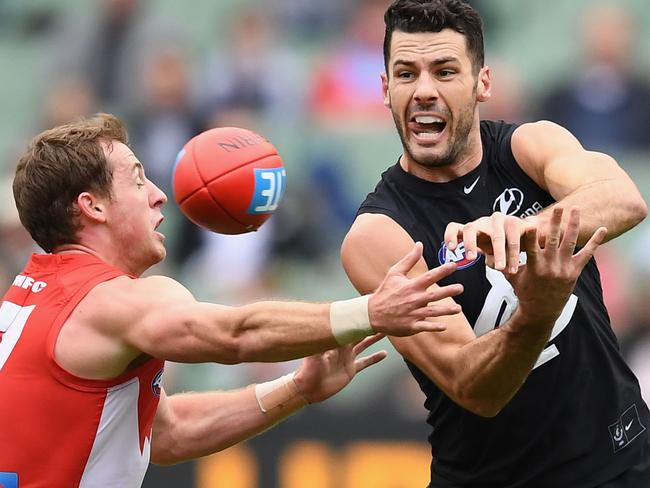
(639,210)
(482,408)
(485,410)
(483,405)
(162,459)
(165,449)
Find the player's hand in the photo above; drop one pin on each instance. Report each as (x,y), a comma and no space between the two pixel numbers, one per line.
(498,236)
(401,305)
(323,375)
(544,284)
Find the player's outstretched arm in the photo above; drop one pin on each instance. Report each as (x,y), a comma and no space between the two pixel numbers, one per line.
(123,318)
(191,425)
(278,331)
(479,373)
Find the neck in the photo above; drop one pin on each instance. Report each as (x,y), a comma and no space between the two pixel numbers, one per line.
(83,249)
(75,249)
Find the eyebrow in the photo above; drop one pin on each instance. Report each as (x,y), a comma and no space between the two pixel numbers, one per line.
(436,62)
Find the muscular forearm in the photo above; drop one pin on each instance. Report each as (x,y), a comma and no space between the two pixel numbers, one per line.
(491,369)
(280,331)
(199,424)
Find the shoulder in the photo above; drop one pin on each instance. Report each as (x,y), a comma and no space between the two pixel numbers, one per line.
(374,243)
(542,136)
(537,145)
(124,299)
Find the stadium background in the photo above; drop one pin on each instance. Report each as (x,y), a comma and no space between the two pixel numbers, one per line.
(306,75)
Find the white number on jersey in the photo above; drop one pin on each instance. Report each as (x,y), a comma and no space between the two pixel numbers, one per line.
(12,322)
(502,296)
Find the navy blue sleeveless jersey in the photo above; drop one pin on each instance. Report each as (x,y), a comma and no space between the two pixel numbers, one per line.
(579,418)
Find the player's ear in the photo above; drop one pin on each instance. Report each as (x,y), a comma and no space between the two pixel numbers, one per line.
(384,88)
(484,85)
(91,206)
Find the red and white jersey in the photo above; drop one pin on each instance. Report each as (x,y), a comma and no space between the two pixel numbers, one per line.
(58,430)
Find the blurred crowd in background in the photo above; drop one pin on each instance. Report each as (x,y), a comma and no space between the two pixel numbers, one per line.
(306,75)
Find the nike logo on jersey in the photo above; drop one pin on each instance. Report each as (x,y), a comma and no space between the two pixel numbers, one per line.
(627,427)
(468,189)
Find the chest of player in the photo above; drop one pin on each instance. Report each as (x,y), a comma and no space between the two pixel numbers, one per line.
(487,189)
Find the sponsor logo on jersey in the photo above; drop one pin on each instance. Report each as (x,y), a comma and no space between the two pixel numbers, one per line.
(626,429)
(509,202)
(8,480)
(269,188)
(156,383)
(457,256)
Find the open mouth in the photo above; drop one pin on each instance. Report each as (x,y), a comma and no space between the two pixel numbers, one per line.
(427,127)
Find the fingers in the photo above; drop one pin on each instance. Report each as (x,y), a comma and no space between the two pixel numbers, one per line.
(554,231)
(439,310)
(499,241)
(513,237)
(570,239)
(366,342)
(587,252)
(434,275)
(452,232)
(404,265)
(428,326)
(470,241)
(441,292)
(531,245)
(363,362)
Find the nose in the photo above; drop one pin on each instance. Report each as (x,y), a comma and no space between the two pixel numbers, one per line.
(157,196)
(426,89)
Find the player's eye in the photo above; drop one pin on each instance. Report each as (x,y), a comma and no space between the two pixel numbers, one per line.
(405,75)
(446,73)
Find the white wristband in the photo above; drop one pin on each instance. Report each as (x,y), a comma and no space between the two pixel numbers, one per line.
(277,393)
(349,320)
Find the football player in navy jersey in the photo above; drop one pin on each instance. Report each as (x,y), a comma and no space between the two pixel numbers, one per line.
(527,387)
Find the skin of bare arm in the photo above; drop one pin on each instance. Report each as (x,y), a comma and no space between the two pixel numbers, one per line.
(591,181)
(480,374)
(191,425)
(123,319)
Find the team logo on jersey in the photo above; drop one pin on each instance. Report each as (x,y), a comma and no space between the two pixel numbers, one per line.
(509,202)
(156,384)
(457,256)
(8,480)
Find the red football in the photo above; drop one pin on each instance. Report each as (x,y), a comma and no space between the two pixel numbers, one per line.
(228,180)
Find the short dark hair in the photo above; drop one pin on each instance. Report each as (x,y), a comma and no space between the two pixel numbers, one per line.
(414,16)
(59,164)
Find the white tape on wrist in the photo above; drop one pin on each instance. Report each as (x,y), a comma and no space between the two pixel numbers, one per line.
(278,393)
(349,320)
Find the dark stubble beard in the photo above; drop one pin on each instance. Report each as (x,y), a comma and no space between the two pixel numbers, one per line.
(458,139)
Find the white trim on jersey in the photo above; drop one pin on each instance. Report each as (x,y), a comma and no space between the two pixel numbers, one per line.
(115,459)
